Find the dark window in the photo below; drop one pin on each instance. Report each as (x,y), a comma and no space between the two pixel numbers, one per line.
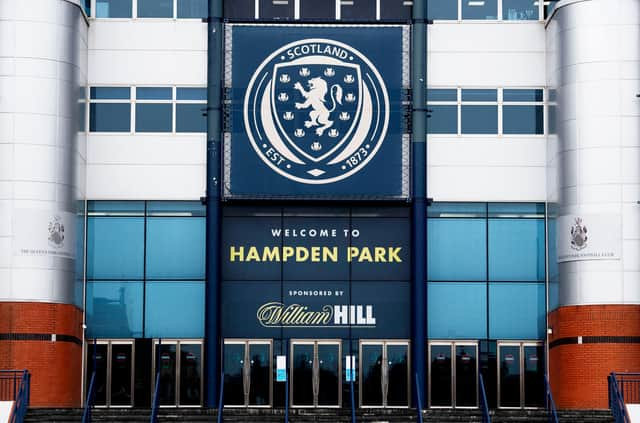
(314,9)
(358,10)
(155,8)
(110,93)
(191,93)
(153,117)
(395,10)
(447,94)
(113,8)
(276,9)
(110,117)
(442,9)
(240,9)
(188,9)
(479,95)
(522,95)
(443,119)
(153,93)
(478,119)
(523,119)
(480,9)
(191,118)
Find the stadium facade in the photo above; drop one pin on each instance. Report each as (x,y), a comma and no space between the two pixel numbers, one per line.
(399,194)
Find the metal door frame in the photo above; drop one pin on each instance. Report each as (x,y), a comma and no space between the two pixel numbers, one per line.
(177,343)
(454,376)
(316,369)
(246,376)
(385,369)
(109,343)
(521,345)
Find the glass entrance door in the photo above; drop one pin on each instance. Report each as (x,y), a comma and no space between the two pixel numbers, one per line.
(453,374)
(384,374)
(179,364)
(315,373)
(113,362)
(520,374)
(247,373)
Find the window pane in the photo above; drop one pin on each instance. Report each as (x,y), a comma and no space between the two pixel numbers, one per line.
(457,210)
(154,93)
(191,93)
(516,310)
(523,120)
(395,10)
(276,9)
(153,117)
(519,209)
(358,10)
(110,117)
(479,9)
(553,119)
(516,250)
(110,93)
(113,8)
(192,9)
(479,95)
(115,248)
(176,208)
(457,249)
(190,118)
(314,9)
(239,9)
(479,119)
(457,310)
(187,297)
(175,247)
(119,207)
(442,9)
(155,8)
(438,94)
(523,10)
(443,119)
(522,95)
(114,309)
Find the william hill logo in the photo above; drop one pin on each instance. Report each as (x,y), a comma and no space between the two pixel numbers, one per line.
(276,314)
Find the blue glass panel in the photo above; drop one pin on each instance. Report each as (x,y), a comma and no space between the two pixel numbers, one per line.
(443,119)
(114,309)
(457,210)
(113,8)
(457,310)
(516,311)
(175,247)
(522,95)
(479,119)
(82,117)
(174,309)
(191,118)
(188,9)
(153,117)
(523,120)
(554,271)
(110,117)
(176,208)
(155,8)
(191,94)
(154,93)
(110,93)
(553,119)
(115,248)
(516,250)
(519,209)
(448,94)
(480,9)
(442,9)
(480,95)
(457,249)
(519,10)
(120,207)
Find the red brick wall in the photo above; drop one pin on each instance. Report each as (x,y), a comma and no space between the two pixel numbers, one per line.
(55,366)
(578,372)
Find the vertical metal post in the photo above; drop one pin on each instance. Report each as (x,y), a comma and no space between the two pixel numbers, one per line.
(214,136)
(419,180)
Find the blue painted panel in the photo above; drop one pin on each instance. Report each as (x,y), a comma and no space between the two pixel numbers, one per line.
(115,248)
(457,310)
(175,247)
(184,300)
(322,114)
(516,250)
(516,310)
(114,309)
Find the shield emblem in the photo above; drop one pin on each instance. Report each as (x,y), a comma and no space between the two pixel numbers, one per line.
(316,105)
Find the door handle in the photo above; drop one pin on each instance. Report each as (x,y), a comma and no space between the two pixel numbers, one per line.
(247,381)
(316,378)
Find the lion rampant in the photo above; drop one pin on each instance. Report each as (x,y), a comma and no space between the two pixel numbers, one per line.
(314,98)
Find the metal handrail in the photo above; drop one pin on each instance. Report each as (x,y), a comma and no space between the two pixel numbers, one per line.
(419,397)
(286,398)
(484,405)
(353,400)
(21,394)
(616,397)
(221,399)
(156,400)
(551,405)
(86,415)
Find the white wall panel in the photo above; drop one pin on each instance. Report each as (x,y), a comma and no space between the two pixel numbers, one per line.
(147,149)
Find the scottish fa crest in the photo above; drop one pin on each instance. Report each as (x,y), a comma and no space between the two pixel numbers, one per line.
(316,111)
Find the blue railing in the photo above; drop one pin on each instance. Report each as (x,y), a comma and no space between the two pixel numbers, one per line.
(484,405)
(353,400)
(15,385)
(623,387)
(221,399)
(91,394)
(551,405)
(155,406)
(419,397)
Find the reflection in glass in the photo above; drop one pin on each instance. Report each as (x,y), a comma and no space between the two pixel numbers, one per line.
(113,8)
(509,376)
(329,377)
(480,9)
(521,10)
(152,117)
(155,8)
(190,373)
(192,9)
(371,381)
(466,375)
(270,9)
(114,309)
(358,10)
(100,382)
(523,119)
(259,365)
(450,239)
(302,381)
(233,374)
(443,119)
(109,117)
(121,368)
(516,250)
(516,310)
(442,10)
(479,119)
(441,376)
(398,373)
(533,376)
(320,10)
(191,118)
(167,368)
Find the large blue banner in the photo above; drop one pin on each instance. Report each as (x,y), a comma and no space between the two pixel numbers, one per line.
(316,112)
